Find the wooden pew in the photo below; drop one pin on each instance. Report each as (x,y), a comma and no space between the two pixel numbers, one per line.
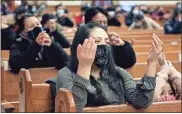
(33,97)
(65,103)
(138,70)
(10,84)
(171,56)
(10,81)
(146,48)
(37,98)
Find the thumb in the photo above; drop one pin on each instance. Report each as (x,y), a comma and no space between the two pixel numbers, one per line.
(79,49)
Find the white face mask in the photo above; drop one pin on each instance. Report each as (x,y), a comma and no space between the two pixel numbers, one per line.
(135,12)
(111,14)
(60,12)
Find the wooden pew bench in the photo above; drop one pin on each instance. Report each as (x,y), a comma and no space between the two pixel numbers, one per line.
(65,103)
(138,70)
(10,83)
(171,56)
(37,98)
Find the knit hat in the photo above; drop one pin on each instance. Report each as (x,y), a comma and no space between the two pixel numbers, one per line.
(47,17)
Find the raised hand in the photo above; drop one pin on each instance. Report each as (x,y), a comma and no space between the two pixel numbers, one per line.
(155,50)
(86,55)
(114,39)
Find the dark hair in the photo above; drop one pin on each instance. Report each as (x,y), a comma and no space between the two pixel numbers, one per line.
(82,33)
(91,12)
(22,24)
(19,11)
(176,12)
(173,89)
(46,17)
(131,11)
(58,6)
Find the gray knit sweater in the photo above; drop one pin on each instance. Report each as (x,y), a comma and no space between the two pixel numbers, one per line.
(138,94)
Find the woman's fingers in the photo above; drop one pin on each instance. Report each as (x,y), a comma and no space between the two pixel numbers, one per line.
(93,48)
(84,45)
(157,42)
(158,39)
(79,49)
(88,46)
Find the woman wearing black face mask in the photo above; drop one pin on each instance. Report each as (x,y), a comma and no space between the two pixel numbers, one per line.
(95,80)
(54,30)
(35,48)
(122,50)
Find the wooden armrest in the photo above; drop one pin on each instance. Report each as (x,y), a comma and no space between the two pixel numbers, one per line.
(7,107)
(64,101)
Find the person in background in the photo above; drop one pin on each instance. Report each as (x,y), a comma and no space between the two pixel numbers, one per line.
(80,19)
(122,50)
(54,30)
(62,15)
(174,24)
(4,8)
(168,82)
(112,18)
(19,13)
(119,11)
(35,49)
(143,22)
(130,17)
(7,35)
(159,13)
(145,9)
(95,80)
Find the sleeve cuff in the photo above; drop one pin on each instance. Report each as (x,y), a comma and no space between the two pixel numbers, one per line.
(147,83)
(84,83)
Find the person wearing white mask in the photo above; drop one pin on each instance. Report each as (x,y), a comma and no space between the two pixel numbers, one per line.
(143,22)
(130,17)
(62,15)
(173,25)
(112,19)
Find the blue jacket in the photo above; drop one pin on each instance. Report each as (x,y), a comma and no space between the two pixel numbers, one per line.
(173,27)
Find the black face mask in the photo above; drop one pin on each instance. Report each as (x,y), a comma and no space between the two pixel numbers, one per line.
(102,56)
(34,33)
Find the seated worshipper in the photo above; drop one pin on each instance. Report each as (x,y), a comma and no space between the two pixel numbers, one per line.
(144,8)
(143,22)
(174,24)
(112,19)
(159,13)
(54,30)
(168,82)
(130,17)
(35,48)
(19,13)
(95,80)
(122,50)
(62,15)
(80,19)
(7,36)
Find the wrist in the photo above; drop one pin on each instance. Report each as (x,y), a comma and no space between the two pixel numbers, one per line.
(84,71)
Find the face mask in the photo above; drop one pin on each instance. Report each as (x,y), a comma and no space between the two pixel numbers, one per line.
(135,12)
(34,33)
(34,9)
(60,12)
(102,56)
(111,14)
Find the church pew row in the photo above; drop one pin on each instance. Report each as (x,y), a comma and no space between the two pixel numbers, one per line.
(171,56)
(138,70)
(10,81)
(37,98)
(146,48)
(65,103)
